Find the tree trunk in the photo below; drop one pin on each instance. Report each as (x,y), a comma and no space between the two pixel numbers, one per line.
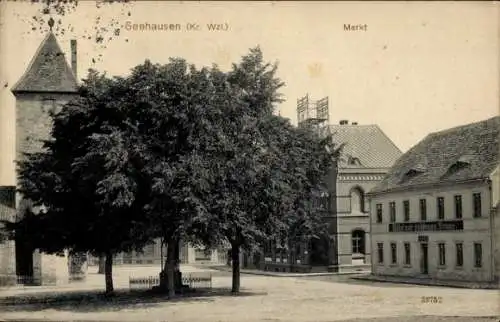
(228,259)
(102,261)
(178,274)
(177,256)
(108,272)
(171,270)
(235,257)
(171,264)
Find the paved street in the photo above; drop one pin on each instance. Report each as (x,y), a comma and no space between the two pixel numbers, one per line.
(265,298)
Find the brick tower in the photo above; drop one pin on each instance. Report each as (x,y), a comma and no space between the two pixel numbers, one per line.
(48,83)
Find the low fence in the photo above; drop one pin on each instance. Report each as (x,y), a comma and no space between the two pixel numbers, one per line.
(193,280)
(149,282)
(13,280)
(27,280)
(36,281)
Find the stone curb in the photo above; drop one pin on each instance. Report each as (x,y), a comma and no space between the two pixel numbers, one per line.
(428,283)
(267,273)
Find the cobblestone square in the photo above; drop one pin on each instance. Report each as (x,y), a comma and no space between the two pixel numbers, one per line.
(294,299)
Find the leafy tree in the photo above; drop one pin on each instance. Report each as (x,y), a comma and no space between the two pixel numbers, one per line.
(261,170)
(167,115)
(87,180)
(178,153)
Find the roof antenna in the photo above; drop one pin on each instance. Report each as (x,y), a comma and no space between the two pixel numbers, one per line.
(51,23)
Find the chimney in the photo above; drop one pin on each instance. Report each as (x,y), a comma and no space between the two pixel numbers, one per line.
(344,122)
(73,58)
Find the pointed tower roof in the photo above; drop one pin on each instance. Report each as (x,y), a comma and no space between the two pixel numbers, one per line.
(48,71)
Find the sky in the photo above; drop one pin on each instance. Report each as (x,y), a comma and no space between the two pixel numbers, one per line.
(413,68)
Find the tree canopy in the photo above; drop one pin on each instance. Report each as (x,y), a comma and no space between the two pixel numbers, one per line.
(175,152)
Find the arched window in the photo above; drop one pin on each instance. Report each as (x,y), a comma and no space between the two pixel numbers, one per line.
(358,242)
(357,200)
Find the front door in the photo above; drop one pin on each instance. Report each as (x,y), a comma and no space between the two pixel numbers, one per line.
(424,260)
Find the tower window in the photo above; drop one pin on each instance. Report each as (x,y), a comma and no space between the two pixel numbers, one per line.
(48,105)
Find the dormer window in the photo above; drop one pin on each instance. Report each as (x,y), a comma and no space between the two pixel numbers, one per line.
(413,172)
(354,161)
(350,160)
(464,161)
(457,166)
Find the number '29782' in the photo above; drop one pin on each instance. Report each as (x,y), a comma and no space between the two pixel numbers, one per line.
(432,299)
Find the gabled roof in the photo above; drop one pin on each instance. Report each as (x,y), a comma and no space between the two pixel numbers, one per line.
(48,71)
(462,153)
(366,146)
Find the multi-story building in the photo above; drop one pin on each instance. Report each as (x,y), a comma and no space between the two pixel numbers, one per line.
(435,214)
(366,156)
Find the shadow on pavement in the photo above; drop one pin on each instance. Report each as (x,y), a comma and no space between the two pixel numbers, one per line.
(92,301)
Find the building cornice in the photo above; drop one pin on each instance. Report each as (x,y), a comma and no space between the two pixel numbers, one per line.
(345,177)
(16,92)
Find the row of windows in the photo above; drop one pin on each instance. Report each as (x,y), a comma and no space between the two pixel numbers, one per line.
(459,254)
(322,202)
(476,205)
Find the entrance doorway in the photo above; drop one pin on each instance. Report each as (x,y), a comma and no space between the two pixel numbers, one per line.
(424,258)
(319,251)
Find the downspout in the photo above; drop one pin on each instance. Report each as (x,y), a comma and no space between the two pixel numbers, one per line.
(370,234)
(492,233)
(332,203)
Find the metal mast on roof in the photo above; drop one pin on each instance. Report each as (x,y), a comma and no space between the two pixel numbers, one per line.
(313,115)
(51,23)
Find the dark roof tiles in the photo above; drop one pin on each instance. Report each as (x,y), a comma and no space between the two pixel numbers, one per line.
(366,143)
(462,153)
(48,71)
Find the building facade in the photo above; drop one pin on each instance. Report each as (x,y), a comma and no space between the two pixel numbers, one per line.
(435,214)
(7,247)
(47,84)
(366,156)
